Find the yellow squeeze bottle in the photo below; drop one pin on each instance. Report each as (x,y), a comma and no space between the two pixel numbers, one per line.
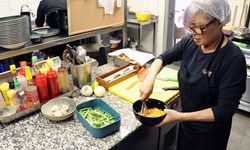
(4,87)
(11,95)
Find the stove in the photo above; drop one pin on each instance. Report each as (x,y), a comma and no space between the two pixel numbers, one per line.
(245,100)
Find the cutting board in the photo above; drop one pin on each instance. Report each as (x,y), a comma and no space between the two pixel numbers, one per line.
(133,94)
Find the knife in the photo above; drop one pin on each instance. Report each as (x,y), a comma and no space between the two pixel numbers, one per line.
(159,90)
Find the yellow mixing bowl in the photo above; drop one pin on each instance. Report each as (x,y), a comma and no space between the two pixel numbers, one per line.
(143,16)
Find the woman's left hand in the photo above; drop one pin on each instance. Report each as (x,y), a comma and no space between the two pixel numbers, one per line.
(171,116)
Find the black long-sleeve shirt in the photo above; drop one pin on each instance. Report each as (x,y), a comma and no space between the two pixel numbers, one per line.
(230,81)
(47,7)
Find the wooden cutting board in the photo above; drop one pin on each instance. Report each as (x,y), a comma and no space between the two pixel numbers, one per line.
(133,94)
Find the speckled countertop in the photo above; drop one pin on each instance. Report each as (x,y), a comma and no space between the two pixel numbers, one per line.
(36,132)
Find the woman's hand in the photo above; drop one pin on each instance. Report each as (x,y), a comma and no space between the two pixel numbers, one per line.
(146,89)
(171,116)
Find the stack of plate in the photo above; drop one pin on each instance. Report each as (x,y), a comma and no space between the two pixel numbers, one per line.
(14,31)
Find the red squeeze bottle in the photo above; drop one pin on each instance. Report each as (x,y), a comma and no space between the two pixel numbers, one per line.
(53,83)
(42,86)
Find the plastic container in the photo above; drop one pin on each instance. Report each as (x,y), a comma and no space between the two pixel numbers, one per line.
(32,96)
(53,83)
(23,64)
(4,87)
(142,16)
(63,80)
(42,86)
(22,81)
(44,66)
(104,131)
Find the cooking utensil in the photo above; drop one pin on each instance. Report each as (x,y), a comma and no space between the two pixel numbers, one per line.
(158,90)
(143,107)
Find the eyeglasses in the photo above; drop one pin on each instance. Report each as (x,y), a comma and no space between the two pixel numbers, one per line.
(200,29)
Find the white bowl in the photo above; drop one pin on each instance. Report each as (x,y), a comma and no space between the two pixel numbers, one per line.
(47,108)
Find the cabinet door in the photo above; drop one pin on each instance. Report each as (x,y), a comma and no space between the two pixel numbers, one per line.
(144,138)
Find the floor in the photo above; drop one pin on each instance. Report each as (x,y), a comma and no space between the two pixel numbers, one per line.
(240,133)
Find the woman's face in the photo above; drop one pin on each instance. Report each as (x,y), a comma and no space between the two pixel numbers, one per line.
(204,29)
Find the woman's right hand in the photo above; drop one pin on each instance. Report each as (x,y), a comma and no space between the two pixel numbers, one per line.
(146,89)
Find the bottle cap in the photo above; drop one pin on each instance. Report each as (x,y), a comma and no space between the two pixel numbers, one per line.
(34,59)
(51,73)
(17,83)
(28,73)
(13,68)
(23,63)
(12,85)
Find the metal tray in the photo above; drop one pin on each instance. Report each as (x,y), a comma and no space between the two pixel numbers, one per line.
(31,110)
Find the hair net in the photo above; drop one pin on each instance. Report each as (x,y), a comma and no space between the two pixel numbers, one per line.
(218,9)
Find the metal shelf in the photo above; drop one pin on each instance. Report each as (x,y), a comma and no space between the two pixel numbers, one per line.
(54,41)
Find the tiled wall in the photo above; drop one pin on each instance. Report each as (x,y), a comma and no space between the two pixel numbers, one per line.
(13,7)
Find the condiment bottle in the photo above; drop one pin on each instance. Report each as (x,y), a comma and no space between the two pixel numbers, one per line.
(32,96)
(23,64)
(42,86)
(13,69)
(22,81)
(2,68)
(2,102)
(33,71)
(53,83)
(29,76)
(4,87)
(63,80)
(20,99)
(11,94)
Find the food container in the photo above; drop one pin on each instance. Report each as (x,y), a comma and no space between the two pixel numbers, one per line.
(118,79)
(119,62)
(151,103)
(47,108)
(82,74)
(106,130)
(142,16)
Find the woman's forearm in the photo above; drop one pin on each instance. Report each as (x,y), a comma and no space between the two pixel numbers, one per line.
(205,115)
(155,68)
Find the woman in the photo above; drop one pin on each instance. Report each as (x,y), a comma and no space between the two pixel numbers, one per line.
(212,78)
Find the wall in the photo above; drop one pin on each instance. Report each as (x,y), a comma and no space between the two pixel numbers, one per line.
(239,10)
(13,7)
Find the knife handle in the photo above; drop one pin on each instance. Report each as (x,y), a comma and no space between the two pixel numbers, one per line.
(171,88)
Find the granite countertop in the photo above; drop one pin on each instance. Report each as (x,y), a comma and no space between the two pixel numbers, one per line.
(36,132)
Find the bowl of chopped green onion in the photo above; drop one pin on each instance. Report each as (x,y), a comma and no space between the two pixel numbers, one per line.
(98,117)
